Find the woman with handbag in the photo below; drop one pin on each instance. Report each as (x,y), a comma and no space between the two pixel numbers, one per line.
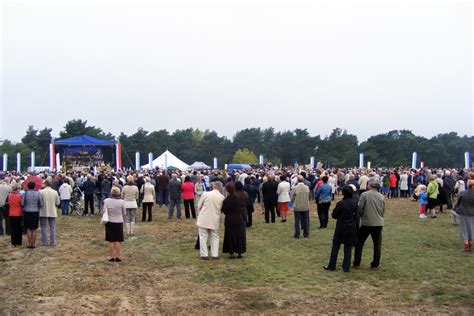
(114,209)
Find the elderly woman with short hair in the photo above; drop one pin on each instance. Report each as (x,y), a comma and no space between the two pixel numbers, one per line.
(130,195)
(465,209)
(148,191)
(31,202)
(115,208)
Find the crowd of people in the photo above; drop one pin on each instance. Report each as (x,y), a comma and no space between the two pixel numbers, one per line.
(31,200)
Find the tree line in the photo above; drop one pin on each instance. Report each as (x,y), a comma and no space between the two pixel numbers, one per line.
(339,149)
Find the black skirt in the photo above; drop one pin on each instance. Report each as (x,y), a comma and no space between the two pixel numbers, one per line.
(31,220)
(114,232)
(432,203)
(235,240)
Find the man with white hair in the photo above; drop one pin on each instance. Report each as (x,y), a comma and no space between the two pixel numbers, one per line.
(209,221)
(371,210)
(300,201)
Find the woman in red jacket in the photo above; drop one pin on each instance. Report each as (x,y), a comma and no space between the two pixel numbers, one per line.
(15,213)
(187,189)
(393,185)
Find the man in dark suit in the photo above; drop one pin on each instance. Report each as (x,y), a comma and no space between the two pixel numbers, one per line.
(89,189)
(174,189)
(269,192)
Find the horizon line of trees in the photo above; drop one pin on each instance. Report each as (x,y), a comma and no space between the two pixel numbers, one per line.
(339,149)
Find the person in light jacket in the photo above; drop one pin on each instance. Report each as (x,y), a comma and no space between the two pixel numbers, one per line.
(283,191)
(300,200)
(148,191)
(65,191)
(371,209)
(130,195)
(48,213)
(115,207)
(209,221)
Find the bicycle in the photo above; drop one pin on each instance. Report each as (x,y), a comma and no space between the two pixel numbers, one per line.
(76,205)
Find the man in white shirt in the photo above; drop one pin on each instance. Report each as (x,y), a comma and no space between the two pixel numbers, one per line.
(209,220)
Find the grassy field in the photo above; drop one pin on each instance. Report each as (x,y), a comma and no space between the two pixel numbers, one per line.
(422,271)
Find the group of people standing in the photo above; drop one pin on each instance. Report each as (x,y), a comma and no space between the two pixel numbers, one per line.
(24,209)
(208,197)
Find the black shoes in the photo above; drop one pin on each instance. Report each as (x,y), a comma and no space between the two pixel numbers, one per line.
(115,260)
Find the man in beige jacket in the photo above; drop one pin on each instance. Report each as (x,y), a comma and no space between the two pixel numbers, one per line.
(300,200)
(209,220)
(48,213)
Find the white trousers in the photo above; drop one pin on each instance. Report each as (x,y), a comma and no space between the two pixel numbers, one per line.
(204,235)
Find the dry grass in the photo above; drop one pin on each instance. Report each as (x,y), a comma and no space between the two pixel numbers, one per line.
(423,271)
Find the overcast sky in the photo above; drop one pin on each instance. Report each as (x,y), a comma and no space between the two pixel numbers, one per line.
(366,66)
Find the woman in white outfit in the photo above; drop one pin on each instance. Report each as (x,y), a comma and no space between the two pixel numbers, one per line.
(130,196)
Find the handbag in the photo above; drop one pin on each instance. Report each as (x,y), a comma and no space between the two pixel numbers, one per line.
(105,217)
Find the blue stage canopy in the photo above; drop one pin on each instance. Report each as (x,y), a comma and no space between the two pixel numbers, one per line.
(85,140)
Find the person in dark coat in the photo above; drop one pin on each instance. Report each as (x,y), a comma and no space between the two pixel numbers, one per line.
(252,194)
(174,189)
(234,223)
(270,197)
(89,189)
(346,231)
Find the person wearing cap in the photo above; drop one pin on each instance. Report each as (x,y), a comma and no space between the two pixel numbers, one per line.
(371,209)
(48,213)
(148,193)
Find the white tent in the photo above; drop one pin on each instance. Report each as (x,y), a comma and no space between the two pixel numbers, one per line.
(167,159)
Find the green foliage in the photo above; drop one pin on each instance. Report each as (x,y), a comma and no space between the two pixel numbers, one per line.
(244,156)
(339,149)
(78,127)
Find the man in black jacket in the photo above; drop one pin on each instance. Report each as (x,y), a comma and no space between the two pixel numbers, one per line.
(174,189)
(448,185)
(270,197)
(89,189)
(252,193)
